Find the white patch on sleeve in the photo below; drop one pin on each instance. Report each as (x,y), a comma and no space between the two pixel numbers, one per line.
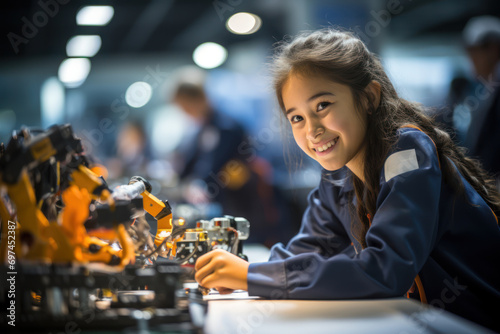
(399,163)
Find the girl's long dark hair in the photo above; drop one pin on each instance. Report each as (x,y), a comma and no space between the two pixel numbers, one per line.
(343,58)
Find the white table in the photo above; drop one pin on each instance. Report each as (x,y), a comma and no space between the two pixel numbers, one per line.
(238,313)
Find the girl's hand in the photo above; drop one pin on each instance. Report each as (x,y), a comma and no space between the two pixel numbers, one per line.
(221,270)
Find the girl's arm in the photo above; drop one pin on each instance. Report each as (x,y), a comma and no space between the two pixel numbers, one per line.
(400,239)
(322,231)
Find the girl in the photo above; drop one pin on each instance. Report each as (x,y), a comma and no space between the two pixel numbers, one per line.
(398,203)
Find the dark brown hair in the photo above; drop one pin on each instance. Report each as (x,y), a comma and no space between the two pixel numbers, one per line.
(343,58)
(189,91)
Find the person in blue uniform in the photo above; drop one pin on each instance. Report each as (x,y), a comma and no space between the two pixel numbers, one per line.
(211,147)
(399,210)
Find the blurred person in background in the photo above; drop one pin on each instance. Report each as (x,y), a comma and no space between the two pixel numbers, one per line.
(132,151)
(455,116)
(213,168)
(482,139)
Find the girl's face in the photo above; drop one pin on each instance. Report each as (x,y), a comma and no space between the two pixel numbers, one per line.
(325,122)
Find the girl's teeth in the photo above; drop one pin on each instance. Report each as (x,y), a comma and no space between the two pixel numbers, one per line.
(327,145)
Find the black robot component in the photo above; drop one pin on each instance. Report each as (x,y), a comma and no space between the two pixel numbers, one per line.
(49,297)
(27,148)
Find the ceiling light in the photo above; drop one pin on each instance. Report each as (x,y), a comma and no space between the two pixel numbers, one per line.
(209,55)
(74,71)
(94,15)
(243,23)
(83,46)
(138,94)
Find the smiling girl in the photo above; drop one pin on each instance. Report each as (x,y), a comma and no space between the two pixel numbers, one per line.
(399,208)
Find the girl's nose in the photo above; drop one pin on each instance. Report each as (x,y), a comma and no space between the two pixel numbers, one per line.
(315,130)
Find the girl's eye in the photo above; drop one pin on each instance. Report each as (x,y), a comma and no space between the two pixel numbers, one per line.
(323,105)
(295,119)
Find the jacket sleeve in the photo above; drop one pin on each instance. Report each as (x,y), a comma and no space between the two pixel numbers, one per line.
(321,231)
(399,241)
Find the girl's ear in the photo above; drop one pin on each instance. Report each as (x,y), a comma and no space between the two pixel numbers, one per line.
(373,90)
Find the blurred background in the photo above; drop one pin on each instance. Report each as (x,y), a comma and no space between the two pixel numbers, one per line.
(110,69)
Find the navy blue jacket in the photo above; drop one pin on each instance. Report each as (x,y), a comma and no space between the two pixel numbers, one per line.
(420,227)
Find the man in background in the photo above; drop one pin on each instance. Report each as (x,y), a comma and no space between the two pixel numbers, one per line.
(482,41)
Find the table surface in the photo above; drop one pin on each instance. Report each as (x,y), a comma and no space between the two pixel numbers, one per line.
(239,313)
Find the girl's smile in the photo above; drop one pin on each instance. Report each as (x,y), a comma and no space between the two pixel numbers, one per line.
(325,146)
